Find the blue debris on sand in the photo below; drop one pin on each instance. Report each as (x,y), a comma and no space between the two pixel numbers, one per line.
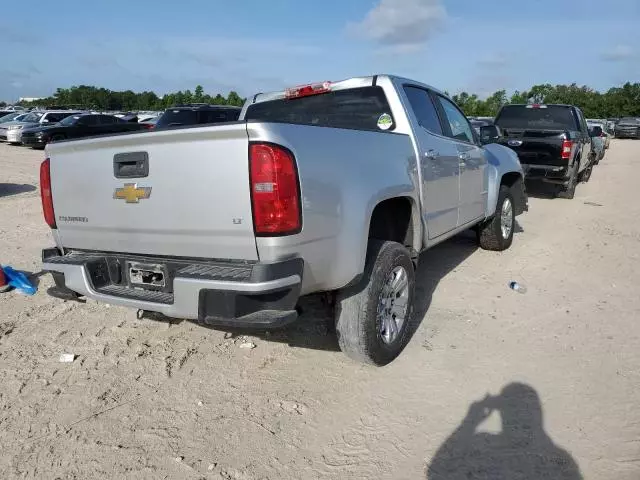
(19,281)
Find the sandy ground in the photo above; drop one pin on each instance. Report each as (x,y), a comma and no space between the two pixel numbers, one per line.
(157,399)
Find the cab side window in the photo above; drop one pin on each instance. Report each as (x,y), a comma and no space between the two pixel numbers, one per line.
(459,127)
(424,109)
(88,120)
(107,119)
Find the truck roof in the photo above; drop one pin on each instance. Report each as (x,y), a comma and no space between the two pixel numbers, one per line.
(353,82)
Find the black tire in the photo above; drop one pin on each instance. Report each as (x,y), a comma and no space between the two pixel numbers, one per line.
(570,190)
(489,233)
(586,175)
(358,325)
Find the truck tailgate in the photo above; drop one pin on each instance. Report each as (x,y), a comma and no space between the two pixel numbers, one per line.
(194,201)
(536,147)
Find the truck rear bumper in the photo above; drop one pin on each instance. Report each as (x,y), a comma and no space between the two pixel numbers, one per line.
(546,173)
(216,293)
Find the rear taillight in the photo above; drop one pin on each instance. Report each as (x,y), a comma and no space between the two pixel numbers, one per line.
(567,146)
(148,126)
(45,193)
(275,192)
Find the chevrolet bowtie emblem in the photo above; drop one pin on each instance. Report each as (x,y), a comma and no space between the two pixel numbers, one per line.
(131,193)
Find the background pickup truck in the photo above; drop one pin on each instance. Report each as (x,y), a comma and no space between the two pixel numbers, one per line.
(552,141)
(331,187)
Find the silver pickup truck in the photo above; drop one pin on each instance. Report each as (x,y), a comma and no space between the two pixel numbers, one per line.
(330,187)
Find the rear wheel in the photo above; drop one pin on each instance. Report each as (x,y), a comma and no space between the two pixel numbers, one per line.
(570,190)
(373,317)
(497,233)
(586,175)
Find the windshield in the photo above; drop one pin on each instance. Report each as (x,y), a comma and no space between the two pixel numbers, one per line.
(69,120)
(9,117)
(551,117)
(32,117)
(629,121)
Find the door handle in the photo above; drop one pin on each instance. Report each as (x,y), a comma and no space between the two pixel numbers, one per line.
(431,154)
(464,156)
(131,165)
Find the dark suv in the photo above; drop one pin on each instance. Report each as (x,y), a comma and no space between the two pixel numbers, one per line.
(186,115)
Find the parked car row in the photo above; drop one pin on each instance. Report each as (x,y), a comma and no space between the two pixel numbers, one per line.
(12,131)
(38,128)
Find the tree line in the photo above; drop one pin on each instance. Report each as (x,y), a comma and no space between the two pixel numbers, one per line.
(616,102)
(104,99)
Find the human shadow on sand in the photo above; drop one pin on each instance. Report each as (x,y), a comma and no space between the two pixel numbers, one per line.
(521,451)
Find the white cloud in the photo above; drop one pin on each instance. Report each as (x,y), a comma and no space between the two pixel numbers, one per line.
(619,53)
(401,25)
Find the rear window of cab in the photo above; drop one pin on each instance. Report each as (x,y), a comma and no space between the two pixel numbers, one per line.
(364,108)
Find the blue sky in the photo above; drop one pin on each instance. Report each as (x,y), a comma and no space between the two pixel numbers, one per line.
(253,45)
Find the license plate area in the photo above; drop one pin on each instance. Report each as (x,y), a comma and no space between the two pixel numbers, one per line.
(149,276)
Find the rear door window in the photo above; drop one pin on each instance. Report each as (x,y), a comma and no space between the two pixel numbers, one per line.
(424,109)
(363,108)
(108,120)
(56,117)
(178,117)
(88,120)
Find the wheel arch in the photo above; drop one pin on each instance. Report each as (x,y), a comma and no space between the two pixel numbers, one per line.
(397,219)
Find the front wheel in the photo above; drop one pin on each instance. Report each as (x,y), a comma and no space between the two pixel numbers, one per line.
(373,317)
(497,233)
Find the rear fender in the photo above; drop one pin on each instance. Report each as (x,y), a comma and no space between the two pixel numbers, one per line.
(344,174)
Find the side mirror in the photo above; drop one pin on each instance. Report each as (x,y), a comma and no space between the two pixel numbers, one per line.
(45,121)
(490,134)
